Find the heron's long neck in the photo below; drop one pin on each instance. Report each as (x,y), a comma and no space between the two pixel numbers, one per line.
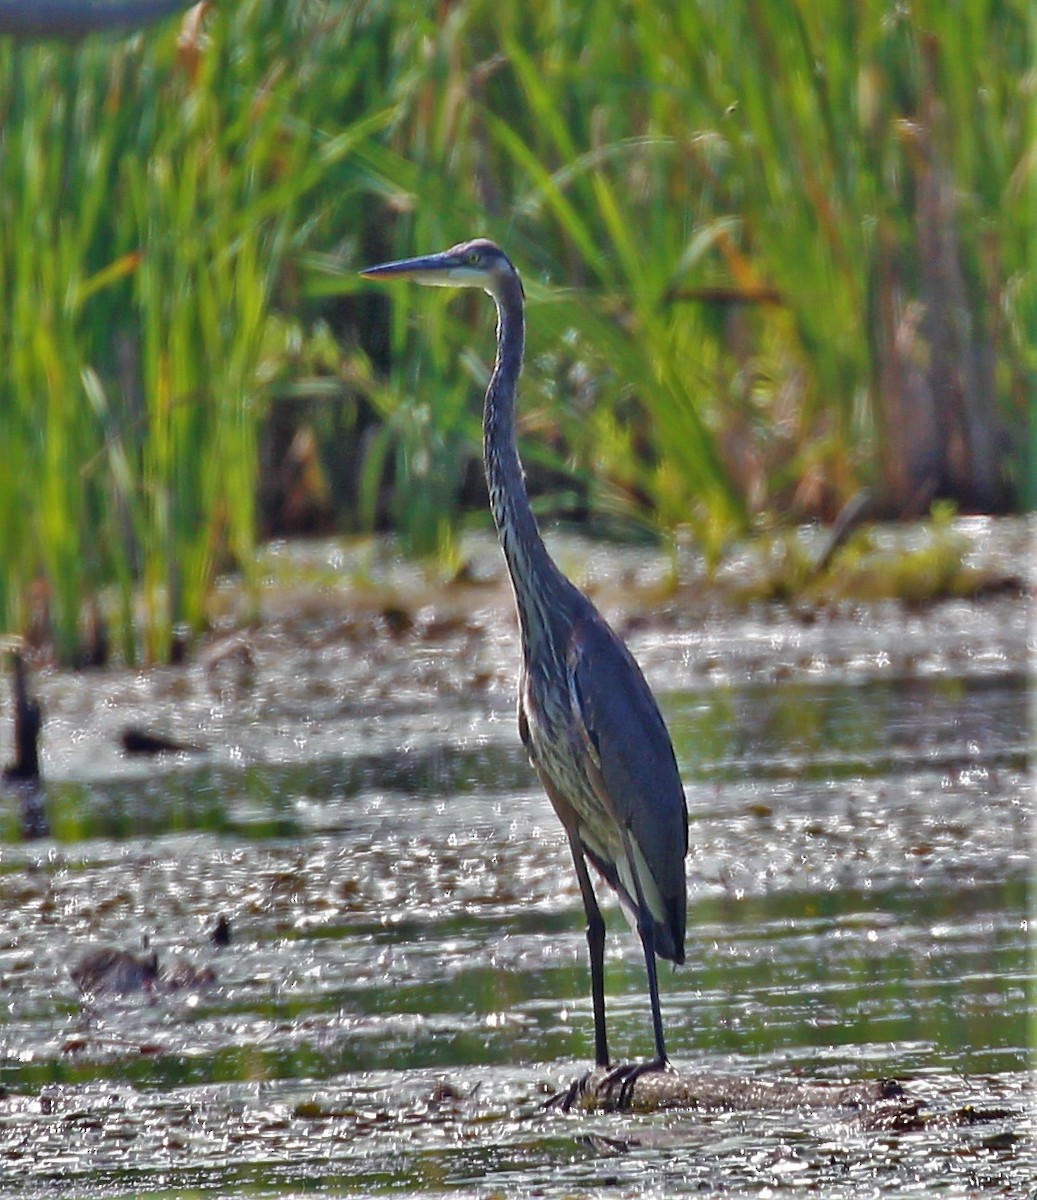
(534,576)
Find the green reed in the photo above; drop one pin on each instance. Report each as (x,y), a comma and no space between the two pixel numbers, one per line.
(746,214)
(732,221)
(149,199)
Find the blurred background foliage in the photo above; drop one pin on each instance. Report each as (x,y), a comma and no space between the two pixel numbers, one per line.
(774,252)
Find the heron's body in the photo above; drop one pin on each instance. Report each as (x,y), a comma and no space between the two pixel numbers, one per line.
(587,717)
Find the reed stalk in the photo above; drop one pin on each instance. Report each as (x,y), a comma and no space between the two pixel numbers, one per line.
(774,253)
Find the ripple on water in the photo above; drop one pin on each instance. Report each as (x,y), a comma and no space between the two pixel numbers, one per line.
(407,974)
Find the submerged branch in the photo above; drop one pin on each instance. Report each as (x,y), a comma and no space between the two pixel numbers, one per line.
(879,1104)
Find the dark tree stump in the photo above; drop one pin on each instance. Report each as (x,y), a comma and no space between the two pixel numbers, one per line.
(28,721)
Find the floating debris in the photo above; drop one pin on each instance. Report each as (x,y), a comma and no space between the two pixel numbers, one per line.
(136,740)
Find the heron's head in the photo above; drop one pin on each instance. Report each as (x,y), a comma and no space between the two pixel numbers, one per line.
(479,263)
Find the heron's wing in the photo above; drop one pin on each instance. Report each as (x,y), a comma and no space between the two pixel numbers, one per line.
(628,739)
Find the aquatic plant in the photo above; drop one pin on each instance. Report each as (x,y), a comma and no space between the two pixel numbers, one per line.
(149,193)
(786,247)
(773,253)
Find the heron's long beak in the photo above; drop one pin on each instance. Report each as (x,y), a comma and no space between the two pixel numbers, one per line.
(439,270)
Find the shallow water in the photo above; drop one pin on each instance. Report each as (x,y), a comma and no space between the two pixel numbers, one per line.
(407,976)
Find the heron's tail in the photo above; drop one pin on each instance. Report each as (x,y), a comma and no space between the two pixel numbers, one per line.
(668,913)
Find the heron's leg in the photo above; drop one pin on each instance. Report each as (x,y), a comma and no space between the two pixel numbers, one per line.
(646,932)
(596,946)
(644,928)
(628,1074)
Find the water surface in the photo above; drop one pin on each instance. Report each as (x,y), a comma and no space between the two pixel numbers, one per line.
(407,979)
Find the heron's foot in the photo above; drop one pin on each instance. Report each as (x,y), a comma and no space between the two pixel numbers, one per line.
(623,1078)
(567,1097)
(611,1088)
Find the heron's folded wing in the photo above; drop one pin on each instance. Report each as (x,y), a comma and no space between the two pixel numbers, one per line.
(634,752)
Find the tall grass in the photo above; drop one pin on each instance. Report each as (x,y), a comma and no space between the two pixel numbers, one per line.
(773,252)
(787,242)
(148,198)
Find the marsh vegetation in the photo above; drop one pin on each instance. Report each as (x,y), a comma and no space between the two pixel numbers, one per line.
(774,255)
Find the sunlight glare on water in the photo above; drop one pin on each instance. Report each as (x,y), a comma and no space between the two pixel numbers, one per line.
(406,979)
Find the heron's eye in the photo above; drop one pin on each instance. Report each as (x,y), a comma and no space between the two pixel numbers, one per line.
(474,258)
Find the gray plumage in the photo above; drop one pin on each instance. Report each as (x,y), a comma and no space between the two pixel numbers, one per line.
(587,717)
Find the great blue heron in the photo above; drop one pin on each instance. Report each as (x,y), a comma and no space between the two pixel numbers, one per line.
(586,716)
